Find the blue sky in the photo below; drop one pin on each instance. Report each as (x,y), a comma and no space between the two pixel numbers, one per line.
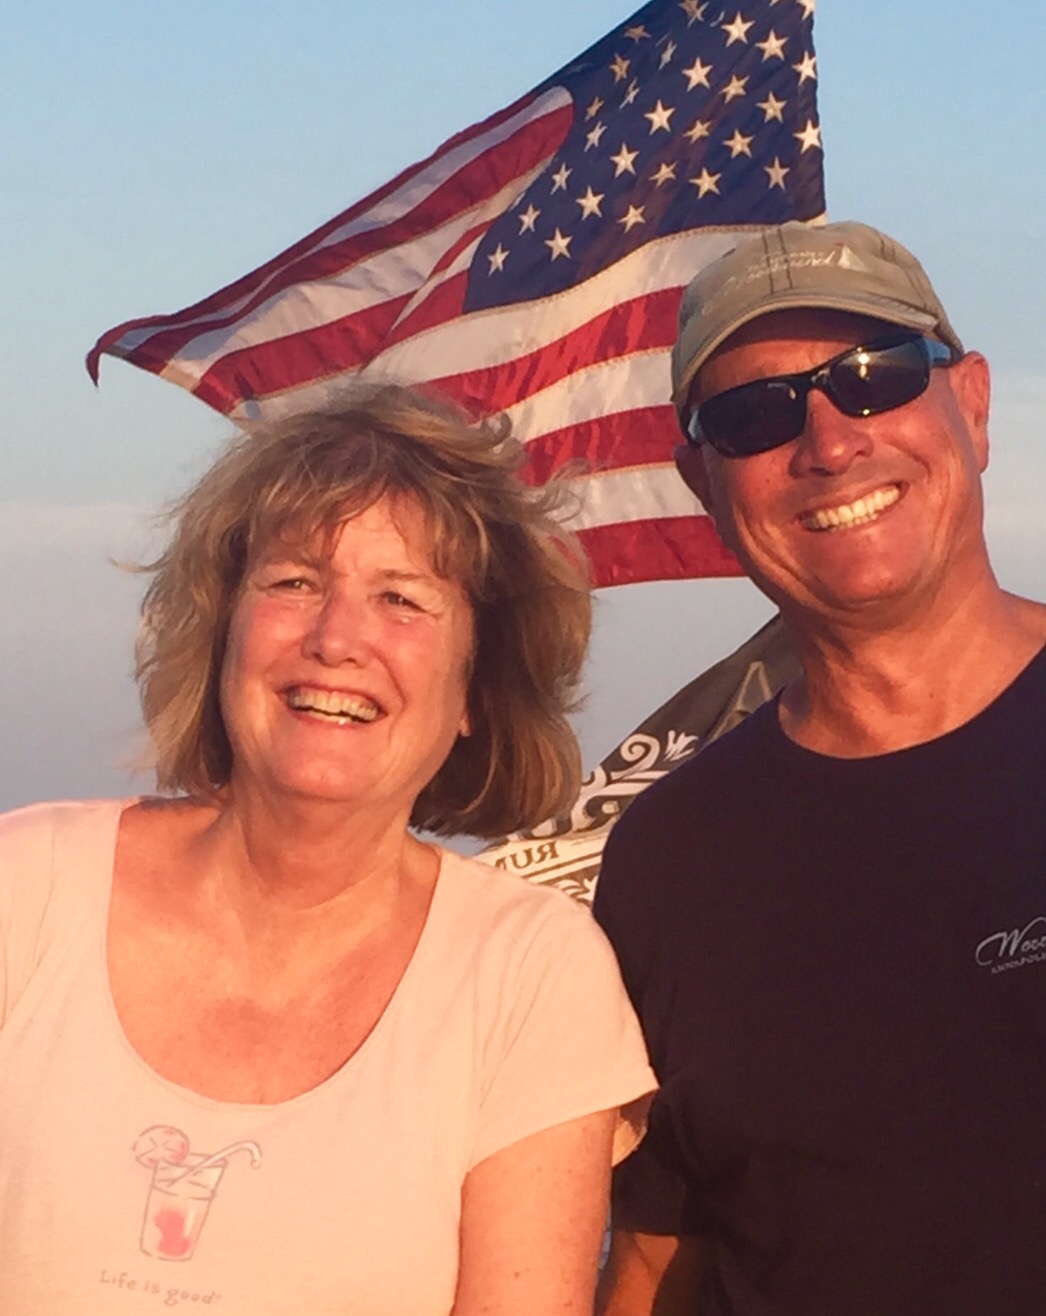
(150,155)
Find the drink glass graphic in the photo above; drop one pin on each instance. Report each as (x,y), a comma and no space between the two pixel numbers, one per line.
(179,1198)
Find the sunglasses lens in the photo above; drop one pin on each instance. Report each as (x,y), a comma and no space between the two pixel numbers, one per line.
(865,381)
(878,379)
(752,418)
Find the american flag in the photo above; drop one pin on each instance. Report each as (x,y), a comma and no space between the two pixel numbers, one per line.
(533,265)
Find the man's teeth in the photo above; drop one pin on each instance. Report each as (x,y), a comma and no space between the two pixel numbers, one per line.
(343,707)
(852,514)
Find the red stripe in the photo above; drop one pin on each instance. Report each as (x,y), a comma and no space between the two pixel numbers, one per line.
(285,363)
(643,324)
(605,443)
(476,182)
(676,548)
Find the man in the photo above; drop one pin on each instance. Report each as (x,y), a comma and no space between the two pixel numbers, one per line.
(833,921)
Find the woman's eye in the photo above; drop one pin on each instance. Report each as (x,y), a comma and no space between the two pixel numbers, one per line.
(398,600)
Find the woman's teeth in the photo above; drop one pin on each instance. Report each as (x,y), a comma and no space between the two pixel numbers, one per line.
(331,703)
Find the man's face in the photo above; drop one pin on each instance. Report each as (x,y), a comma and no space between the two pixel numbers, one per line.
(913,473)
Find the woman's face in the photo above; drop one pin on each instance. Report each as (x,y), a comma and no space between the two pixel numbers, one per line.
(346,671)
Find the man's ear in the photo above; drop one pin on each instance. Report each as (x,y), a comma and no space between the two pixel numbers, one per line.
(971,385)
(690,463)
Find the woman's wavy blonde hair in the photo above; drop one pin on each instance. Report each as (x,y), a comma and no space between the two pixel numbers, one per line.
(502,539)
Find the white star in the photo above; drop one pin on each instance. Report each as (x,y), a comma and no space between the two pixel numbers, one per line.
(700,129)
(637,33)
(595,133)
(735,87)
(631,92)
(697,75)
(497,259)
(559,178)
(589,203)
(659,117)
(737,30)
(623,161)
(706,182)
(810,136)
(528,219)
(808,7)
(773,47)
(668,54)
(739,144)
(558,245)
(619,68)
(594,108)
(693,9)
(772,108)
(776,173)
(634,217)
(807,68)
(664,173)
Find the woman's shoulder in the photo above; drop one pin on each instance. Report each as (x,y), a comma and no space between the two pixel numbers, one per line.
(504,894)
(37,828)
(509,919)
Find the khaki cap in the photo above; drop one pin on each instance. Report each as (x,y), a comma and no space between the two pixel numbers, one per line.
(835,267)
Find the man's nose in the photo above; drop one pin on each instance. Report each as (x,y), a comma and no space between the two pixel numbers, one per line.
(830,442)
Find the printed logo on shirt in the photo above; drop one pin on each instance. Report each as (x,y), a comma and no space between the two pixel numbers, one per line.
(181,1190)
(1014,948)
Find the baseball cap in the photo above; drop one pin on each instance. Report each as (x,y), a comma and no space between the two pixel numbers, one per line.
(837,267)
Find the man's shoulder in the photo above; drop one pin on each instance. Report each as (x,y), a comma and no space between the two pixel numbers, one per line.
(701,784)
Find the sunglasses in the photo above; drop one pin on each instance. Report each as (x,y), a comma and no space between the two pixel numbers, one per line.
(862,381)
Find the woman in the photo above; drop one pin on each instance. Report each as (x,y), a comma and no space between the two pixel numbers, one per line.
(261,1047)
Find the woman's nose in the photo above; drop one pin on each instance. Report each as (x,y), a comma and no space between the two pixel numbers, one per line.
(341,630)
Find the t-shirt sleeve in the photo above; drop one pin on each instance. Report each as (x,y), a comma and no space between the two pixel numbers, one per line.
(654,1190)
(567,1041)
(26,851)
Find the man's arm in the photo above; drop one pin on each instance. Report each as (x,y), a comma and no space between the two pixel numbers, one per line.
(651,1275)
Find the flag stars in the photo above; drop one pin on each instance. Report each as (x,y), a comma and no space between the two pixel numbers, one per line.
(528,218)
(773,47)
(706,182)
(664,173)
(809,137)
(697,75)
(808,7)
(694,10)
(631,92)
(772,108)
(559,178)
(633,217)
(737,30)
(700,129)
(624,161)
(739,144)
(806,68)
(595,133)
(735,87)
(590,202)
(497,259)
(775,173)
(659,117)
(668,54)
(619,68)
(594,108)
(558,245)
(637,33)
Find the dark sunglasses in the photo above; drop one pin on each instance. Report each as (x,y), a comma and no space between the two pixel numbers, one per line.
(862,381)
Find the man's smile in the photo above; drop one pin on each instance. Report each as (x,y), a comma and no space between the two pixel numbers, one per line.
(846,516)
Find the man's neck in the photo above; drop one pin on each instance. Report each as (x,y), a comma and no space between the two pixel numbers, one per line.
(868,690)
